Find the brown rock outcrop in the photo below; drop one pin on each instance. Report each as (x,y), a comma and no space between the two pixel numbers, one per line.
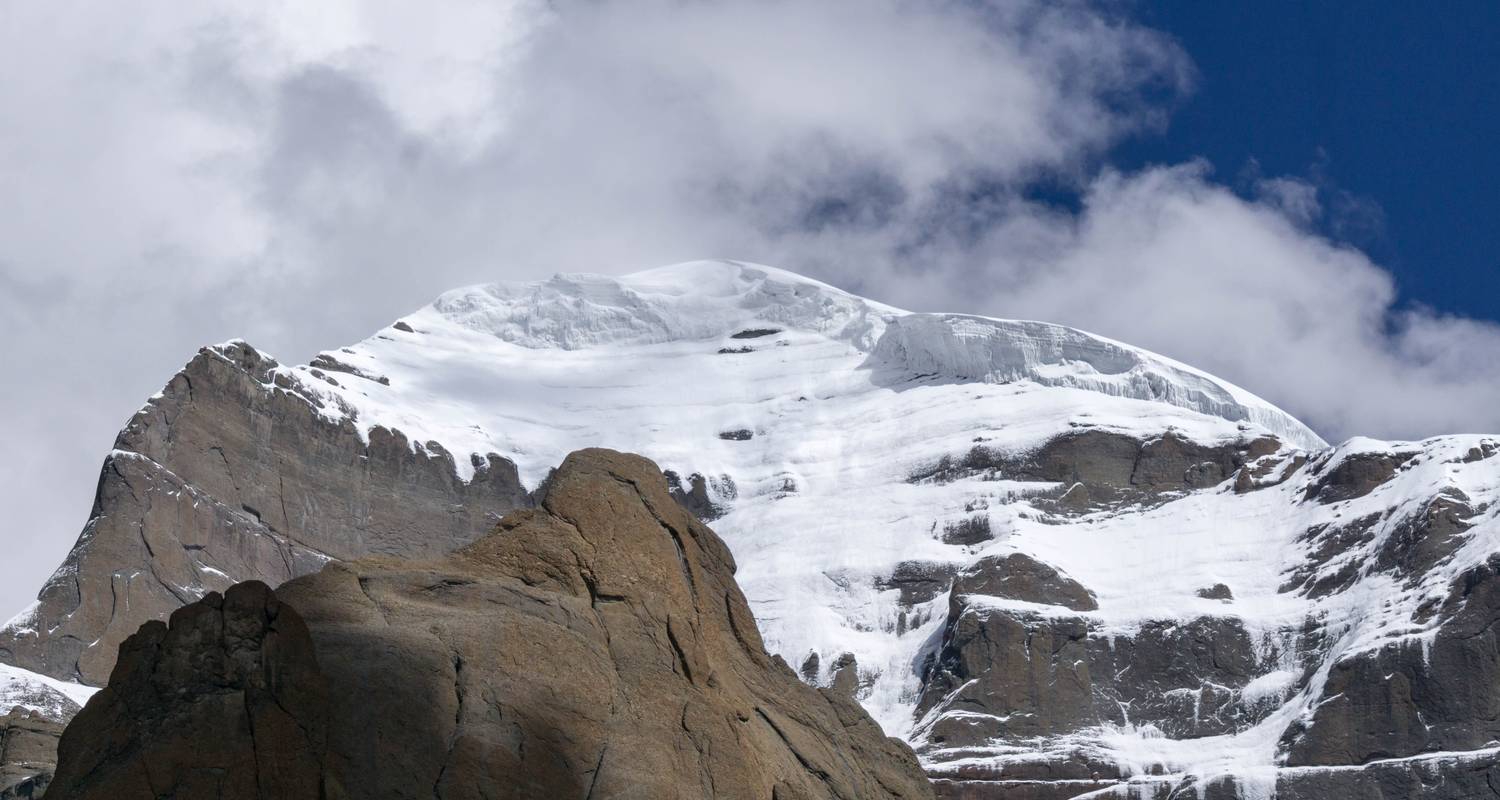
(595,647)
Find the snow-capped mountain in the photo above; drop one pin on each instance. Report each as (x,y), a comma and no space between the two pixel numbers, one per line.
(1053,562)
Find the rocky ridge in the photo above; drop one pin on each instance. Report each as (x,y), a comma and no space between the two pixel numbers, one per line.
(232,472)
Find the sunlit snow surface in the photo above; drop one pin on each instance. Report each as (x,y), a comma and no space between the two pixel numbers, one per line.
(844,399)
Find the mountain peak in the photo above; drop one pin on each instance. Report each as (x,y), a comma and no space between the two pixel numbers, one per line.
(916,502)
(685,319)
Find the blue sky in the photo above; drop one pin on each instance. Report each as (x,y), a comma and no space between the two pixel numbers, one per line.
(1396,104)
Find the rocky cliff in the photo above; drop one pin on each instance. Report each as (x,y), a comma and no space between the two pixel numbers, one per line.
(232,473)
(595,647)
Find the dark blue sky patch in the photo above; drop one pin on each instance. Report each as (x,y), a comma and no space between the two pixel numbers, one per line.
(1391,109)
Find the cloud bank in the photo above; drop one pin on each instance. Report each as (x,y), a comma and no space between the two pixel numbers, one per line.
(300,174)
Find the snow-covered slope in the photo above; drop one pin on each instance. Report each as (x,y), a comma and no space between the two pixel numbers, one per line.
(1202,574)
(806,408)
(29,691)
(49,697)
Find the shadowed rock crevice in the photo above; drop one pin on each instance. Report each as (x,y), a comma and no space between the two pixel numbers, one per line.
(597,646)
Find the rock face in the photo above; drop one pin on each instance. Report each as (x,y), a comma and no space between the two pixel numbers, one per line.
(28,754)
(1017,673)
(230,474)
(1450,778)
(1408,697)
(594,647)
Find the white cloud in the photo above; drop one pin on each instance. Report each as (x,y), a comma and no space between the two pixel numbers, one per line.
(1171,261)
(299,174)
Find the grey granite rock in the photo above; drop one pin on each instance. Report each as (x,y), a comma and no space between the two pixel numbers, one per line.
(28,754)
(231,474)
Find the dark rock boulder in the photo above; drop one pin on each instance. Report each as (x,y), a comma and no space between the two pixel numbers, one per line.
(810,668)
(1218,591)
(844,678)
(233,472)
(918,581)
(595,647)
(755,333)
(1017,576)
(1355,475)
(1101,467)
(970,530)
(28,754)
(227,702)
(1487,448)
(693,494)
